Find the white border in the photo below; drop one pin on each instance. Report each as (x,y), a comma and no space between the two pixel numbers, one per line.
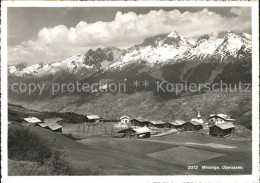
(167,179)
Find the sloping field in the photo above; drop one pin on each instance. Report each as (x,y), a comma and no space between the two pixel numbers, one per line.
(133,146)
(167,155)
(184,156)
(113,161)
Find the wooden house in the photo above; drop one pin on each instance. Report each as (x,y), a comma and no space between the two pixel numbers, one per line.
(30,121)
(136,122)
(55,127)
(142,122)
(192,126)
(221,130)
(44,125)
(158,124)
(177,124)
(142,132)
(92,119)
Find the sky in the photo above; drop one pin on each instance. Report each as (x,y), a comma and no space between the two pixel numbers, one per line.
(47,34)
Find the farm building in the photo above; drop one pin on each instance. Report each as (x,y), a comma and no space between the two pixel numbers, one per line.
(128,132)
(44,125)
(221,130)
(136,121)
(92,118)
(140,122)
(158,124)
(177,124)
(30,121)
(219,119)
(142,132)
(125,119)
(198,119)
(55,127)
(192,126)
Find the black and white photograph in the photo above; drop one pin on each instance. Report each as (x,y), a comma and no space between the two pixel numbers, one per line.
(131,89)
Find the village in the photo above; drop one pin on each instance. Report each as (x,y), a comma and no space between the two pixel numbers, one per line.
(217,125)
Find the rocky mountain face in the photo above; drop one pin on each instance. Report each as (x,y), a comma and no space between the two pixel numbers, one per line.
(224,57)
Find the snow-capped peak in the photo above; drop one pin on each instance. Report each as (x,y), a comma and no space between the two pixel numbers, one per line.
(173,34)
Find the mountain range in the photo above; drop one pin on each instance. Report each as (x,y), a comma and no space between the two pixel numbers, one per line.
(159,50)
(171,58)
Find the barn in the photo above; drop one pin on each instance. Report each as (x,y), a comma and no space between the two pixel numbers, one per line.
(158,124)
(92,118)
(221,130)
(142,132)
(136,121)
(44,125)
(192,126)
(145,123)
(30,121)
(177,124)
(128,132)
(140,122)
(55,127)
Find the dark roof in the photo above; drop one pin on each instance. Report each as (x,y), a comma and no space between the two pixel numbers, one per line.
(137,130)
(224,126)
(141,119)
(123,131)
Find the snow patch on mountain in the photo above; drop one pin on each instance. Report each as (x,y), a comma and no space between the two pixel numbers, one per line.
(71,64)
(174,48)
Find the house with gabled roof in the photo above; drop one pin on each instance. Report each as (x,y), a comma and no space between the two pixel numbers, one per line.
(140,132)
(192,126)
(55,127)
(177,124)
(157,124)
(222,130)
(30,121)
(92,118)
